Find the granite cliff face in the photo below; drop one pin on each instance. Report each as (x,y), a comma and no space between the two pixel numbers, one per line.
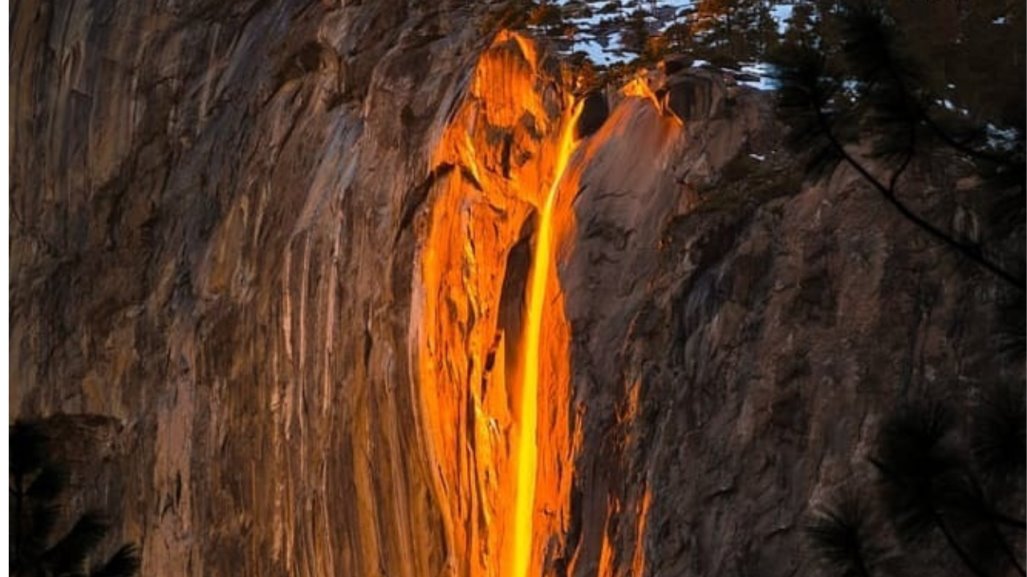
(280,255)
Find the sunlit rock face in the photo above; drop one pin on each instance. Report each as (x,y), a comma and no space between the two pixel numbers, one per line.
(482,411)
(286,255)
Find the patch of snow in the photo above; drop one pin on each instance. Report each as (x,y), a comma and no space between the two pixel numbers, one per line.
(596,52)
(851,88)
(1000,20)
(765,76)
(1001,138)
(758,157)
(949,105)
(781,13)
(601,36)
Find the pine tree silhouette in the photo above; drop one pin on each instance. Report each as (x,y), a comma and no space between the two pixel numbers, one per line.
(839,534)
(37,485)
(933,482)
(999,434)
(853,94)
(861,88)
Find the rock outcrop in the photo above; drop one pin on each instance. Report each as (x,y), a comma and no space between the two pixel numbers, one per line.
(281,251)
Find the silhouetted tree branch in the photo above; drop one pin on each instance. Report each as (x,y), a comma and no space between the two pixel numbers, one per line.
(927,484)
(839,536)
(829,109)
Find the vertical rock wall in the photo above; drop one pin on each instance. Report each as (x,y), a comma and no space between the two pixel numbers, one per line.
(206,245)
(493,165)
(738,336)
(272,245)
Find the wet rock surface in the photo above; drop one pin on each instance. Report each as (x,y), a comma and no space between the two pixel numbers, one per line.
(218,224)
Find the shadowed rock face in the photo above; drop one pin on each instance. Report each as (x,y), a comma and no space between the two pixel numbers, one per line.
(691,97)
(220,222)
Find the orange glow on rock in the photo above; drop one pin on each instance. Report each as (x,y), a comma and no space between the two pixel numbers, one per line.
(501,444)
(638,560)
(489,335)
(639,88)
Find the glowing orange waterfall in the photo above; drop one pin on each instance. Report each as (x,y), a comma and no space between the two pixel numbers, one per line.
(527,449)
(491,345)
(490,339)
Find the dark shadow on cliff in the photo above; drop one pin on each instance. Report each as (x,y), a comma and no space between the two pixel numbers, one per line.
(854,93)
(935,479)
(38,497)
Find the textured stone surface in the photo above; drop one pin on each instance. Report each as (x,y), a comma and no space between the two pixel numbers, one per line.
(196,253)
(219,215)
